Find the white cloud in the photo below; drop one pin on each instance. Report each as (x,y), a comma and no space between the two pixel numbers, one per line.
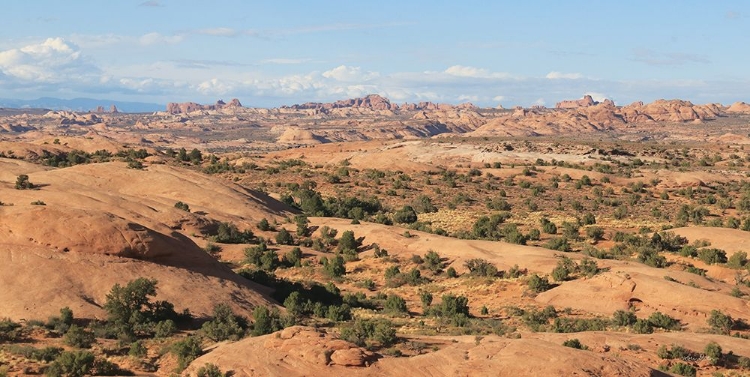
(598,97)
(349,74)
(469,98)
(157,38)
(215,87)
(540,102)
(219,32)
(498,98)
(559,75)
(466,71)
(49,61)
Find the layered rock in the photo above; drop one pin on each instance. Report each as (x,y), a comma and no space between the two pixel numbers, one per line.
(586,101)
(375,102)
(189,107)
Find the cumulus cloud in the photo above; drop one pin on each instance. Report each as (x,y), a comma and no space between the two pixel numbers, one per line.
(598,97)
(215,87)
(559,75)
(466,71)
(498,98)
(50,61)
(469,98)
(349,74)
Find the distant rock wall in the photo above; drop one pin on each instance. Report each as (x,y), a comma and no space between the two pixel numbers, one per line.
(586,101)
(189,107)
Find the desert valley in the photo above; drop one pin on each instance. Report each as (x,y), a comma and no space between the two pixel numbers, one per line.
(368,238)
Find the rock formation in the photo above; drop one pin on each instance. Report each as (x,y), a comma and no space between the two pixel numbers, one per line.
(586,101)
(375,102)
(739,107)
(189,107)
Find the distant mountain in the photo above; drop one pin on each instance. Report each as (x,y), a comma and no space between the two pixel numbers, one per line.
(80,104)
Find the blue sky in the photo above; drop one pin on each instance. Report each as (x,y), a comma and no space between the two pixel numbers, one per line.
(283,52)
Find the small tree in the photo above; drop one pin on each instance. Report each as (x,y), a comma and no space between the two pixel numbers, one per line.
(623,318)
(225,324)
(78,337)
(302,223)
(22,182)
(348,241)
(187,350)
(426,298)
(394,304)
(538,284)
(713,352)
(73,364)
(182,206)
(263,225)
(283,237)
(405,215)
(720,323)
(335,267)
(209,370)
(574,343)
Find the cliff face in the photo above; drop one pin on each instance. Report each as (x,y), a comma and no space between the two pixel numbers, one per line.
(586,101)
(375,102)
(189,107)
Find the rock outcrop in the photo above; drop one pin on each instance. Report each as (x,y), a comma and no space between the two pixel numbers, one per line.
(189,107)
(586,101)
(739,107)
(375,102)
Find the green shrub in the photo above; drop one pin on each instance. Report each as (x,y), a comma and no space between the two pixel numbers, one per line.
(293,258)
(405,215)
(209,370)
(129,309)
(432,261)
(720,323)
(538,284)
(451,272)
(229,233)
(683,369)
(186,351)
(738,260)
(165,328)
(283,237)
(182,206)
(661,320)
(137,350)
(643,326)
(72,364)
(623,318)
(559,244)
(78,337)
(264,225)
(335,267)
(713,352)
(712,255)
(481,267)
(363,331)
(225,325)
(395,305)
(574,343)
(22,182)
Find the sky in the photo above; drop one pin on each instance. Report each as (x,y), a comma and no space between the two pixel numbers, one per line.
(272,53)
